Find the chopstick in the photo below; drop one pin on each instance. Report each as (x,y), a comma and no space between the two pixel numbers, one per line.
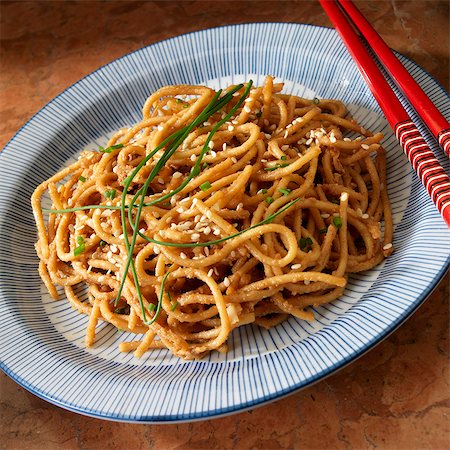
(424,107)
(425,164)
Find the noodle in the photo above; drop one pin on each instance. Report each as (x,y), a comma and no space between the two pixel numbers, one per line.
(215,211)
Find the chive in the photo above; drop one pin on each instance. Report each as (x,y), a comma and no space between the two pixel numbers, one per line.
(277,166)
(186,105)
(81,178)
(323,230)
(205,186)
(110,149)
(151,307)
(305,242)
(178,100)
(174,307)
(316,101)
(81,247)
(285,191)
(205,165)
(262,191)
(337,221)
(102,244)
(269,200)
(283,158)
(110,194)
(219,241)
(259,114)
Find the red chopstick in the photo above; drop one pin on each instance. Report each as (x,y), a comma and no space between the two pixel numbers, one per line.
(427,167)
(430,115)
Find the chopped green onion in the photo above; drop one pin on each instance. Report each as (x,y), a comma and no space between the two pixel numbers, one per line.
(110,194)
(323,230)
(283,158)
(337,221)
(81,178)
(102,244)
(305,242)
(174,307)
(178,100)
(110,149)
(316,101)
(278,166)
(186,105)
(205,165)
(262,191)
(205,186)
(269,200)
(81,247)
(285,191)
(151,307)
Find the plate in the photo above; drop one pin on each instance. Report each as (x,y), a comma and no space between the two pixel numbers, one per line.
(42,340)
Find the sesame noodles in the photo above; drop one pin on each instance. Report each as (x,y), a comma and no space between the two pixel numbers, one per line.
(217,210)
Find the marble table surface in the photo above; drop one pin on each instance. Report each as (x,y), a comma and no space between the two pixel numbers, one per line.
(394,397)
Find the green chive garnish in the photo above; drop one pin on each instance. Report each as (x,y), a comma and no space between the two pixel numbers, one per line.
(110,194)
(285,191)
(269,200)
(205,186)
(337,221)
(277,166)
(174,307)
(151,307)
(110,149)
(81,178)
(81,247)
(283,158)
(102,244)
(262,191)
(323,230)
(305,242)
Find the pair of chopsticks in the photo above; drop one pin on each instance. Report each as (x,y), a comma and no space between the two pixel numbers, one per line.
(345,17)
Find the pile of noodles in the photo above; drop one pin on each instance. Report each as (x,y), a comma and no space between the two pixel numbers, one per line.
(275,149)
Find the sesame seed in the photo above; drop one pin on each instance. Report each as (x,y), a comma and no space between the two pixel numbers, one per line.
(267,135)
(234,160)
(161,180)
(387,246)
(307,282)
(183,255)
(324,215)
(210,272)
(156,250)
(286,134)
(160,128)
(239,206)
(346,139)
(101,278)
(224,146)
(235,122)
(142,230)
(332,139)
(365,216)
(207,230)
(247,109)
(344,197)
(230,128)
(206,124)
(195,236)
(109,254)
(206,250)
(216,232)
(226,282)
(285,147)
(213,153)
(69,202)
(308,141)
(193,157)
(365,146)
(296,266)
(211,144)
(92,236)
(177,175)
(289,126)
(194,201)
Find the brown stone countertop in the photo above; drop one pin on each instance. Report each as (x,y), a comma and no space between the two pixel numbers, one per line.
(394,397)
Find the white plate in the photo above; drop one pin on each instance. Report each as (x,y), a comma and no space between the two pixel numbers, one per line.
(42,340)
